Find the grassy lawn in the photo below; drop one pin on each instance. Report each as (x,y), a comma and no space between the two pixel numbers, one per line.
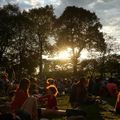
(94,111)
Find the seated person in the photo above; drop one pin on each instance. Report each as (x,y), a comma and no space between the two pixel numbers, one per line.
(26,108)
(22,100)
(50,99)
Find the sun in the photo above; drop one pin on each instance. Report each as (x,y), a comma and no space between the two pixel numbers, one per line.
(63,55)
(67,55)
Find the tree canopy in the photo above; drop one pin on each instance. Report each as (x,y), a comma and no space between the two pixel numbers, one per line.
(78,29)
(25,38)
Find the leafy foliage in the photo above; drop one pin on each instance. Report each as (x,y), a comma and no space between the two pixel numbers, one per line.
(79,28)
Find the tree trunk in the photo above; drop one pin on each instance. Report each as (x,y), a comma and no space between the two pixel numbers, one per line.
(75,67)
(40,60)
(1,56)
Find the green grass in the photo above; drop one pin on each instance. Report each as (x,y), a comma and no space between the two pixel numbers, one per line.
(94,111)
(63,102)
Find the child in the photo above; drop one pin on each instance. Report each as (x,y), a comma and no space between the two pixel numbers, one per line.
(50,98)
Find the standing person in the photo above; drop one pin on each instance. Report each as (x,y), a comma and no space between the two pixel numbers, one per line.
(78,93)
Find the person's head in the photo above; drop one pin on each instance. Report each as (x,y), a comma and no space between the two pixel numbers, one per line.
(4,76)
(33,88)
(50,81)
(52,90)
(24,84)
(82,81)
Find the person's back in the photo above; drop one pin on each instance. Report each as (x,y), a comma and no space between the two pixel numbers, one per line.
(78,93)
(21,95)
(19,99)
(81,92)
(72,98)
(24,105)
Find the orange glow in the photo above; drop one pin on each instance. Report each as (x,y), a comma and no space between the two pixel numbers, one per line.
(62,55)
(53,86)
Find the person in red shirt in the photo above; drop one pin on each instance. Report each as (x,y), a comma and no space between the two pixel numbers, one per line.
(23,104)
(21,95)
(50,99)
(22,100)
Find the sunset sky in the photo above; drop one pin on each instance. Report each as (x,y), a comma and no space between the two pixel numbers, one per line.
(107,10)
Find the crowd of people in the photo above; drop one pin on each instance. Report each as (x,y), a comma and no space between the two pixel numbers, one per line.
(27,103)
(26,99)
(83,90)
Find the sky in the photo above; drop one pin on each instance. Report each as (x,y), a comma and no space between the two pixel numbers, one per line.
(107,10)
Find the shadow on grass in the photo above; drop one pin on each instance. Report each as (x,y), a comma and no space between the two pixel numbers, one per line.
(93,110)
(110,100)
(107,110)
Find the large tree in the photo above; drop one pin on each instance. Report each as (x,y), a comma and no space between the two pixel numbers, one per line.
(7,31)
(42,19)
(89,67)
(112,65)
(78,29)
(22,49)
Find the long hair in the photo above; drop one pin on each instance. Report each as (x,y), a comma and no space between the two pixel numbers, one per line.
(54,89)
(24,84)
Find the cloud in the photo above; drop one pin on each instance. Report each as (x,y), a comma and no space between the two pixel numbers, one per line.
(28,4)
(25,5)
(109,14)
(107,10)
(8,1)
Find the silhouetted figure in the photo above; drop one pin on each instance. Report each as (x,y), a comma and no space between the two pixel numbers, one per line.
(78,93)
